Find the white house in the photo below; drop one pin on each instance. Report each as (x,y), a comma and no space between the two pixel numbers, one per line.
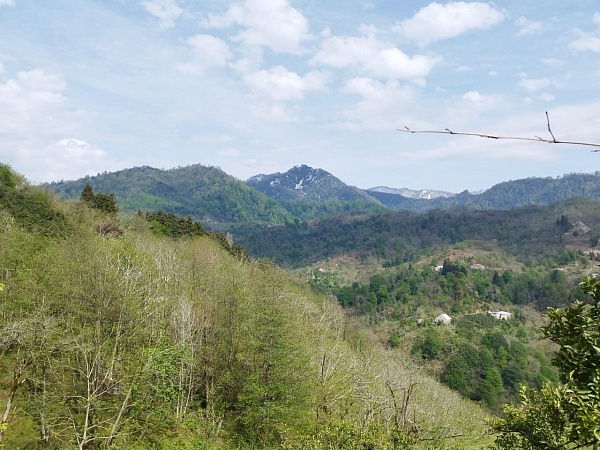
(500,315)
(443,318)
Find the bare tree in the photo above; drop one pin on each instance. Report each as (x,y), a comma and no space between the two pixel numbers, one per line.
(553,140)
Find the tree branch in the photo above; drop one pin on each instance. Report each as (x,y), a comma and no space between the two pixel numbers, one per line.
(519,138)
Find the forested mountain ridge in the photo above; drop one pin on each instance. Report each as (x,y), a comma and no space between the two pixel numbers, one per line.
(138,340)
(204,193)
(532,232)
(303,193)
(504,196)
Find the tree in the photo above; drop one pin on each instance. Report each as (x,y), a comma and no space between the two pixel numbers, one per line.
(103,202)
(87,194)
(567,416)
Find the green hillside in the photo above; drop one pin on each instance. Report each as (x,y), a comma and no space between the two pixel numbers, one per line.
(204,193)
(133,339)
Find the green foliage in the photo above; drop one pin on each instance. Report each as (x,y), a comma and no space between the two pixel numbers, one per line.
(431,346)
(575,329)
(155,390)
(30,207)
(106,203)
(171,225)
(8,178)
(394,340)
(567,416)
(538,422)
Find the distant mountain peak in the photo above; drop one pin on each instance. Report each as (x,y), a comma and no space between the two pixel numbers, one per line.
(426,194)
(303,182)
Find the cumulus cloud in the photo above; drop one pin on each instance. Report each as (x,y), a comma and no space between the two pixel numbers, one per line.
(273,24)
(380,105)
(527,27)
(28,97)
(435,21)
(586,41)
(373,57)
(165,10)
(33,118)
(70,156)
(209,51)
(281,84)
(7,2)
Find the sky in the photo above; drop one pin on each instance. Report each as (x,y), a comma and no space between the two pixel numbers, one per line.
(260,86)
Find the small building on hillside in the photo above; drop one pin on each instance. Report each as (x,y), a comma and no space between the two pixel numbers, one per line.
(443,318)
(477,267)
(500,315)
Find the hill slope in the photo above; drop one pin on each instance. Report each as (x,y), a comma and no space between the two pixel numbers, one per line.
(205,193)
(175,343)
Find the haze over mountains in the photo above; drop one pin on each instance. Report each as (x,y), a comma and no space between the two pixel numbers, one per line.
(209,194)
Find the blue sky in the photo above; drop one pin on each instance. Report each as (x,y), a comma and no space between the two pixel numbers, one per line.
(259,86)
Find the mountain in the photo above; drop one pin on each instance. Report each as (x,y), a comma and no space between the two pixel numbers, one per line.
(202,192)
(303,193)
(503,196)
(426,194)
(305,183)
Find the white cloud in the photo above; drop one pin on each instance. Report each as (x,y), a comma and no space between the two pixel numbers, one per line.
(527,27)
(27,98)
(585,42)
(435,21)
(7,2)
(281,84)
(32,115)
(381,107)
(534,84)
(373,57)
(165,10)
(481,102)
(273,24)
(209,51)
(70,156)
